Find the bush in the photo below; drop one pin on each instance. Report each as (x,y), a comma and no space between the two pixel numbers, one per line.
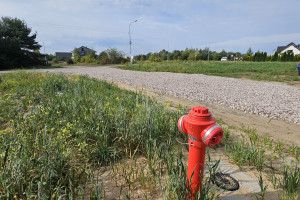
(155,58)
(89,58)
(70,61)
(103,58)
(54,60)
(115,56)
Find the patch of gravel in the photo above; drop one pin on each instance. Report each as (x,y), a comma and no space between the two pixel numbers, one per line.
(273,100)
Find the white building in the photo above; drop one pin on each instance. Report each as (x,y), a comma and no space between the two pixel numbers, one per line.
(292,47)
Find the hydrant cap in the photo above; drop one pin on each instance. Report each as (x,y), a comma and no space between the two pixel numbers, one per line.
(200,111)
(180,125)
(213,136)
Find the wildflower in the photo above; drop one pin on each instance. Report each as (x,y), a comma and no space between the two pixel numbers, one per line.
(69,125)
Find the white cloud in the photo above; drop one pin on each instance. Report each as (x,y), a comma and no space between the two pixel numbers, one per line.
(235,24)
(275,40)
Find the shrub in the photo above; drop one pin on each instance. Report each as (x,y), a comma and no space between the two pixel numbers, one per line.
(103,58)
(54,60)
(70,61)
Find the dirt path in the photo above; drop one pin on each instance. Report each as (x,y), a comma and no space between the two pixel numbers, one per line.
(277,129)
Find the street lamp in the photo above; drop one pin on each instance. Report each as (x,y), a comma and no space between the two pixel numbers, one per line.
(130,40)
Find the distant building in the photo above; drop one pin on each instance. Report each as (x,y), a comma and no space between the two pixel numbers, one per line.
(84,50)
(291,47)
(63,54)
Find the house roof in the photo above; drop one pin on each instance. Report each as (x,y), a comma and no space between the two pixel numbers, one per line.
(281,48)
(63,54)
(86,48)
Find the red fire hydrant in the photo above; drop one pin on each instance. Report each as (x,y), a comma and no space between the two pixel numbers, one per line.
(202,131)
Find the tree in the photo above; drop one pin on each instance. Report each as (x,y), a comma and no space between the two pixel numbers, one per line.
(115,56)
(283,57)
(223,53)
(155,58)
(17,46)
(215,56)
(163,54)
(76,55)
(176,55)
(264,56)
(275,57)
(249,52)
(90,57)
(185,54)
(103,58)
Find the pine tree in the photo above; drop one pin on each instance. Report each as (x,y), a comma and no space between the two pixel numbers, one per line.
(275,57)
(249,52)
(17,46)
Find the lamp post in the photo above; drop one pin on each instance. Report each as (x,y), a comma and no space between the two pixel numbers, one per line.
(130,40)
(46,62)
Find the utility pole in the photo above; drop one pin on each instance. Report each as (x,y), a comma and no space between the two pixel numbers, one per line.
(168,53)
(208,53)
(131,58)
(45,53)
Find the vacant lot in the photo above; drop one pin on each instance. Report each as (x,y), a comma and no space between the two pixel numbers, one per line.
(263,71)
(76,137)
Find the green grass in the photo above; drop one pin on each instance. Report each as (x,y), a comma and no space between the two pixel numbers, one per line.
(56,131)
(262,71)
(266,155)
(51,66)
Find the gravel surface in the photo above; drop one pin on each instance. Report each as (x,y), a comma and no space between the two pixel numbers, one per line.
(273,100)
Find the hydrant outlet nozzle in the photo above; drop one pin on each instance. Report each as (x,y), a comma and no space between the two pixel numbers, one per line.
(180,125)
(212,135)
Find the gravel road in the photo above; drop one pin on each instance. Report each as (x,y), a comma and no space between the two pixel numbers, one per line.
(273,100)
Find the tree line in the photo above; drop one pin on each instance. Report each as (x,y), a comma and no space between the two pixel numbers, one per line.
(205,54)
(19,48)
(109,56)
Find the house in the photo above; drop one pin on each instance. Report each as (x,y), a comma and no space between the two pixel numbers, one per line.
(84,50)
(291,47)
(63,54)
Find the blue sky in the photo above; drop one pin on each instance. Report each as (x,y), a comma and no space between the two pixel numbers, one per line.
(233,25)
